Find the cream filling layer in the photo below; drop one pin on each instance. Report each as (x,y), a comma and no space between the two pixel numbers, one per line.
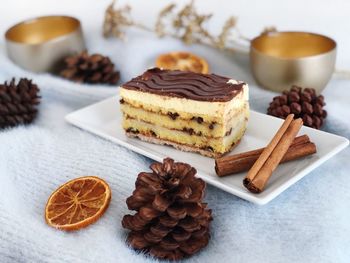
(217,145)
(191,126)
(187,108)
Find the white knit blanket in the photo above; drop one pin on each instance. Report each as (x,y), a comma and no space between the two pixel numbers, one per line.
(310,222)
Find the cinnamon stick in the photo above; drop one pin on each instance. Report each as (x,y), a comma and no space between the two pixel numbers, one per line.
(241,162)
(272,155)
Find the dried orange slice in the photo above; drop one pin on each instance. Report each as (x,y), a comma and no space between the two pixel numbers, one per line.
(78,203)
(182,61)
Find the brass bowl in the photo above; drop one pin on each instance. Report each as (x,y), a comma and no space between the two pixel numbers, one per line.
(280,59)
(40,44)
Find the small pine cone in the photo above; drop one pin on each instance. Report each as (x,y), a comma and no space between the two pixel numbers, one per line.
(303,103)
(93,69)
(18,102)
(171,222)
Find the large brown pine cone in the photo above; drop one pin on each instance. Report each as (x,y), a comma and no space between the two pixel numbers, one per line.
(18,102)
(93,69)
(171,221)
(303,103)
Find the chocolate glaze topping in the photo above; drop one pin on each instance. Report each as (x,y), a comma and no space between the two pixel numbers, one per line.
(185,84)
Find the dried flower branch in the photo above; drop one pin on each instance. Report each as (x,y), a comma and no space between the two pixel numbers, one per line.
(186,24)
(226,30)
(189,25)
(160,23)
(115,19)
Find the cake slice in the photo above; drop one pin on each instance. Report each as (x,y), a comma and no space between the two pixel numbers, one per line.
(203,113)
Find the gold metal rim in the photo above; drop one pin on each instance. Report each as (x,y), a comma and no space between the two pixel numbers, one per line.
(329,45)
(39,30)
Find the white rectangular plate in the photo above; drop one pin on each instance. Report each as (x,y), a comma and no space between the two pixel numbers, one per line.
(104,119)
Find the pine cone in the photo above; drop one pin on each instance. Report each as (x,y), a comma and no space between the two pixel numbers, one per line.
(91,69)
(171,221)
(18,103)
(303,103)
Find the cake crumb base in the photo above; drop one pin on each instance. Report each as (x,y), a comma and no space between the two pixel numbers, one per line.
(178,146)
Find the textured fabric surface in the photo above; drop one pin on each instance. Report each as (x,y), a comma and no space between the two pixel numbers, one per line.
(307,223)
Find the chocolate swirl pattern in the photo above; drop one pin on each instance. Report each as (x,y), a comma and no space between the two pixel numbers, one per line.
(185,84)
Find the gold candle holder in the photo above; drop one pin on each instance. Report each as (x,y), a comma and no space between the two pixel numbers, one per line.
(41,43)
(281,59)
